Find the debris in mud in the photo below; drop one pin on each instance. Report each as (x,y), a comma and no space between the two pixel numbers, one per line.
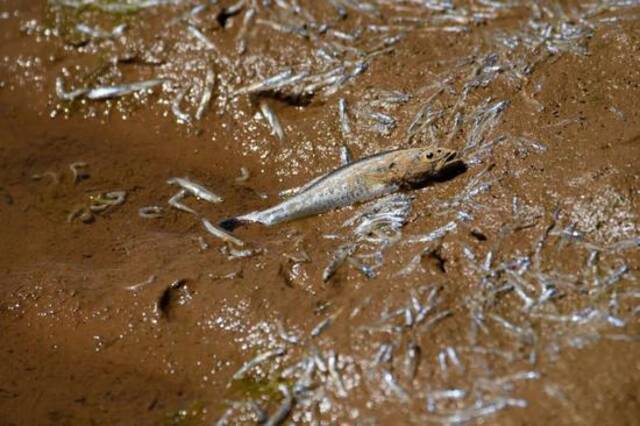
(136,287)
(229,276)
(259,359)
(150,212)
(98,204)
(102,201)
(82,213)
(176,293)
(224,236)
(195,189)
(78,170)
(340,256)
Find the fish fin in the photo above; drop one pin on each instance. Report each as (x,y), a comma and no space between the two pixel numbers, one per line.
(345,155)
(231,224)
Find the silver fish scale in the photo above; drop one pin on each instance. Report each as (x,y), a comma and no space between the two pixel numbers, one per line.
(320,199)
(308,203)
(359,181)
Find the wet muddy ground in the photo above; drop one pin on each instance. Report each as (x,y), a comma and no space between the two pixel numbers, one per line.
(505,293)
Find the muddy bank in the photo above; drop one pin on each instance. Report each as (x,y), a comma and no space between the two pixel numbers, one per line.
(505,294)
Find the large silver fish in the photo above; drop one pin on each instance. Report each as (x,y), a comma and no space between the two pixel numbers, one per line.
(356,182)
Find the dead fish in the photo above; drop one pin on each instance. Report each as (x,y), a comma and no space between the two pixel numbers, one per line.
(107,92)
(197,190)
(359,181)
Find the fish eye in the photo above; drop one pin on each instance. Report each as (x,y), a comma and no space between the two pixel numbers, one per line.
(429,154)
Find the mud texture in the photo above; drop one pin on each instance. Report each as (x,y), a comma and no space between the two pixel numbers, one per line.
(512,284)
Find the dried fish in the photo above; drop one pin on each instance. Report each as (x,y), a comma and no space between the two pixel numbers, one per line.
(244,175)
(55,179)
(176,109)
(318,360)
(201,243)
(408,318)
(97,33)
(175,202)
(383,218)
(272,119)
(521,375)
(442,362)
(78,170)
(383,174)
(437,395)
(259,359)
(68,96)
(433,320)
(324,324)
(284,409)
(518,331)
(384,124)
(339,258)
(287,337)
(393,386)
(116,6)
(485,119)
(144,283)
(344,119)
(209,82)
(222,234)
(333,371)
(82,212)
(234,253)
(203,39)
(247,21)
(384,354)
(477,411)
(284,78)
(453,356)
(412,359)
(435,234)
(150,212)
(107,92)
(229,276)
(103,201)
(625,244)
(528,301)
(193,12)
(298,30)
(616,275)
(195,189)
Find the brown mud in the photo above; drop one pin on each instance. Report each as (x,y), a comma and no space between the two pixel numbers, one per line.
(562,163)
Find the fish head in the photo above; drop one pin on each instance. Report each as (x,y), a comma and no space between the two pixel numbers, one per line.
(433,160)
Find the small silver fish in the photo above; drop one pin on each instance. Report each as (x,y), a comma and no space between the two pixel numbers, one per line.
(273,120)
(359,181)
(107,92)
(195,189)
